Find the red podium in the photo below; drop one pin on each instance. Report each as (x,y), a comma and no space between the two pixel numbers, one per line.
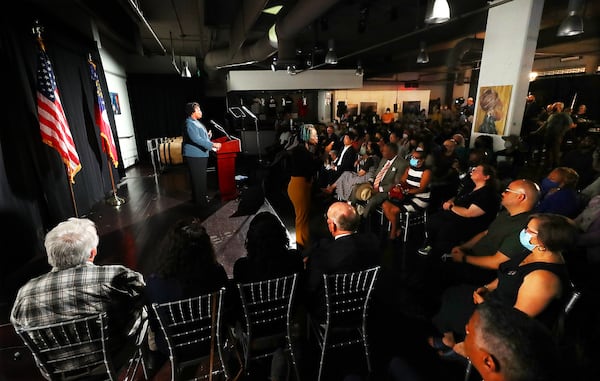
(226,166)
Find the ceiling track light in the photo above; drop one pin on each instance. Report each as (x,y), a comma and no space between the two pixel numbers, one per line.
(572,25)
(359,69)
(274,64)
(331,56)
(291,70)
(185,72)
(438,11)
(422,57)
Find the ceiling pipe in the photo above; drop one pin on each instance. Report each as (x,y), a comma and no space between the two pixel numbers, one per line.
(303,14)
(139,14)
(250,11)
(455,57)
(416,32)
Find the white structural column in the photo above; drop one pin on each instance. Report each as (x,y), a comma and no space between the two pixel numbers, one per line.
(508,52)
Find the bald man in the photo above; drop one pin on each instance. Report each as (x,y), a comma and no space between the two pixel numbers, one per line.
(346,251)
(500,242)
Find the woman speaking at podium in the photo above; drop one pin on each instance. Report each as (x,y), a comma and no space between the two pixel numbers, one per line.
(196,148)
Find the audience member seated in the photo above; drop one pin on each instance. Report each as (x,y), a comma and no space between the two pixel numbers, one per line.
(268,254)
(268,257)
(445,170)
(559,194)
(388,174)
(465,215)
(588,222)
(344,162)
(186,267)
(475,157)
(367,164)
(535,284)
(505,344)
(76,287)
(461,150)
(331,140)
(347,250)
(485,251)
(415,189)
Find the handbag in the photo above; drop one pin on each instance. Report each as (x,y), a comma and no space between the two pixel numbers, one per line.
(397,193)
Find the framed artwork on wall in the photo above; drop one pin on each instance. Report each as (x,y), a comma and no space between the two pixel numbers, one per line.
(116,106)
(492,107)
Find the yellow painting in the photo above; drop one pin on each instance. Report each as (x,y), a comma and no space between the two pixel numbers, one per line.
(492,107)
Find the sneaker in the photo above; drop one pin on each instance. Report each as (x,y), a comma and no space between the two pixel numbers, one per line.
(425,250)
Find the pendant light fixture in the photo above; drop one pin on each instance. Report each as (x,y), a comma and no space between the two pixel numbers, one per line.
(572,25)
(438,11)
(185,72)
(331,56)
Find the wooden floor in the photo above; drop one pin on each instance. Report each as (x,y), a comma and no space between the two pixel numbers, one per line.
(402,306)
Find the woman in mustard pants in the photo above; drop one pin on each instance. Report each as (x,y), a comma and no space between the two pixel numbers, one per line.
(303,168)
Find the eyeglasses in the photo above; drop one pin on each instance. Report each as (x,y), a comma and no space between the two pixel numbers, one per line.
(514,191)
(530,231)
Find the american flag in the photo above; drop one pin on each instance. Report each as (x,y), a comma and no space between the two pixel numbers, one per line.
(101,117)
(53,123)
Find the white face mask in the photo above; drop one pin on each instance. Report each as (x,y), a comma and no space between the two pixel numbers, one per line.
(404,136)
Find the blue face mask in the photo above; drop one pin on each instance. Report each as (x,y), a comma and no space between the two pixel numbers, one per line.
(363,150)
(524,238)
(413,162)
(548,184)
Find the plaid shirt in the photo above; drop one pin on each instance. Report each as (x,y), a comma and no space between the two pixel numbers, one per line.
(79,292)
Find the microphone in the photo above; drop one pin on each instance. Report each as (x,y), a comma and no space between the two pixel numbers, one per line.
(220,128)
(215,124)
(249,112)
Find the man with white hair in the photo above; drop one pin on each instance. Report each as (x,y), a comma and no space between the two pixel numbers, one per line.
(76,287)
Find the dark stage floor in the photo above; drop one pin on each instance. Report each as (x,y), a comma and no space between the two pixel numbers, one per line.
(406,297)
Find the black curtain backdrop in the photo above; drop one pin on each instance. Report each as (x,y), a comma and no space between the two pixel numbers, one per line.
(33,180)
(158,106)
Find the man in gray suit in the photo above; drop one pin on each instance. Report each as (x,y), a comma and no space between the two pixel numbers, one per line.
(388,173)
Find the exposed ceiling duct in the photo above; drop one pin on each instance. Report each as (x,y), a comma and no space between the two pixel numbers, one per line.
(454,59)
(302,15)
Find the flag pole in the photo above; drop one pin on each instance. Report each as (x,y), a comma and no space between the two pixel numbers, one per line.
(72,193)
(114,200)
(48,103)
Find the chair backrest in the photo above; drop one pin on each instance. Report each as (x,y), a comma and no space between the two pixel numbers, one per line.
(71,350)
(347,296)
(191,328)
(267,309)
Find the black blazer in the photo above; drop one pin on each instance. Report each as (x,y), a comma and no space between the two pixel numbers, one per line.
(354,252)
(347,163)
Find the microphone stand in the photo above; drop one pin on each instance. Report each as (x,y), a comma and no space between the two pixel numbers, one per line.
(257,131)
(220,128)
